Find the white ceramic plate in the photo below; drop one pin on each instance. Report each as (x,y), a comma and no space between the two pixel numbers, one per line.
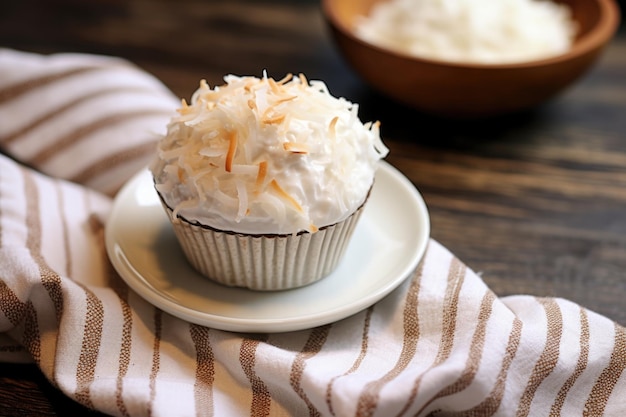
(388,243)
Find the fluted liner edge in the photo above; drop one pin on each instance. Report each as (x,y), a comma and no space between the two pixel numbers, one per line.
(264,262)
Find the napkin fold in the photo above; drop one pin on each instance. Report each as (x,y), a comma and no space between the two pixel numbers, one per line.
(75,127)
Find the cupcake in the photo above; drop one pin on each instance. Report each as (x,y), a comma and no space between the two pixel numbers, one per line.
(265,180)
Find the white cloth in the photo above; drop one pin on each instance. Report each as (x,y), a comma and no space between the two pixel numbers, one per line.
(77,126)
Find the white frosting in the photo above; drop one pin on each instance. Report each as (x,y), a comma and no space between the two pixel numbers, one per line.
(479,31)
(260,156)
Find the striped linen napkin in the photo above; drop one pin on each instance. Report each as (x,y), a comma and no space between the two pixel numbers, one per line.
(75,127)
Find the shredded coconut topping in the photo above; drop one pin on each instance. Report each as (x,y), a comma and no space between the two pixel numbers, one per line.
(479,31)
(260,156)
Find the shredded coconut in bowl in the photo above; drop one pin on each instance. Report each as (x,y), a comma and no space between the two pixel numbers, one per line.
(474,31)
(260,156)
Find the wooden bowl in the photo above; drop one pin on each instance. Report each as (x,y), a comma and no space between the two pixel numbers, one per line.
(464,89)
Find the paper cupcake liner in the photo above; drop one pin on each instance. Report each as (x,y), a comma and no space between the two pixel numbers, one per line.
(264,262)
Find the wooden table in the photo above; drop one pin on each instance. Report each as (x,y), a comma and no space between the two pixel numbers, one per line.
(534,202)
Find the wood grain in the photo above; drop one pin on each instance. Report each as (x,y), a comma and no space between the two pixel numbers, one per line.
(534,202)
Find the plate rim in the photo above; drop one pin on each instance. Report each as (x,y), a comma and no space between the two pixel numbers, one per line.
(141,285)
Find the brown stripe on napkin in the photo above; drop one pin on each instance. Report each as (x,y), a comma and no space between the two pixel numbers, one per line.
(369,397)
(581,364)
(476,350)
(156,356)
(456,277)
(121,289)
(55,112)
(92,337)
(60,144)
(368,400)
(31,338)
(549,357)
(490,405)
(605,383)
(11,306)
(127,341)
(205,370)
(110,162)
(357,362)
(50,280)
(313,345)
(12,91)
(124,355)
(261,399)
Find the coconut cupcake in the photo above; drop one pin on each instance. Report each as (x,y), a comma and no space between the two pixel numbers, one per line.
(265,180)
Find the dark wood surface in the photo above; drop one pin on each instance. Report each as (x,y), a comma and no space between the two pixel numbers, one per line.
(534,202)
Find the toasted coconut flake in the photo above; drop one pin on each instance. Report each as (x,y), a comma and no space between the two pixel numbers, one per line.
(285,99)
(332,126)
(204,88)
(184,107)
(260,178)
(285,79)
(274,119)
(285,195)
(313,228)
(211,95)
(303,80)
(232,148)
(252,104)
(379,146)
(276,89)
(299,148)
